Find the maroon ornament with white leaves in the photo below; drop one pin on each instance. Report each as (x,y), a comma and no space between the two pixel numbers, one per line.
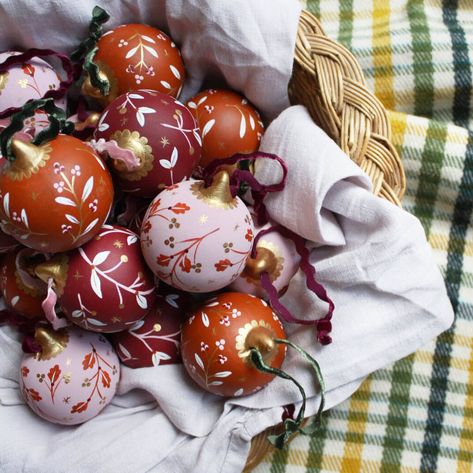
(104,286)
(155,340)
(161,133)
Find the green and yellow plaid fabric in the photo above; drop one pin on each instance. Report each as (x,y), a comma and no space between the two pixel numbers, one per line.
(416,415)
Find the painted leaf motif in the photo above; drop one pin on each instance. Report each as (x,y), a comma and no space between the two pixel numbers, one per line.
(24,218)
(125,352)
(142,301)
(180,208)
(199,361)
(165,84)
(165,163)
(222,374)
(79,407)
(6,204)
(186,265)
(72,219)
(212,304)
(34,395)
(100,257)
(65,201)
(54,373)
(14,300)
(89,361)
(131,52)
(77,313)
(106,380)
(135,96)
(131,239)
(174,156)
(171,300)
(90,226)
(140,118)
(137,325)
(158,356)
(238,392)
(28,69)
(102,125)
(197,136)
(175,71)
(202,100)
(146,110)
(215,383)
(252,122)
(222,265)
(163,260)
(242,126)
(95,322)
(205,319)
(191,104)
(89,185)
(151,50)
(95,283)
(147,38)
(208,126)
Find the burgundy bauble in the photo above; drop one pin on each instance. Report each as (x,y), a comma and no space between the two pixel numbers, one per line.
(155,340)
(160,131)
(104,286)
(217,339)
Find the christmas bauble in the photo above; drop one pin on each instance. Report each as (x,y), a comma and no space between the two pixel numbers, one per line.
(104,286)
(155,340)
(217,339)
(137,56)
(160,131)
(56,196)
(197,238)
(27,81)
(21,292)
(72,379)
(7,243)
(275,255)
(229,124)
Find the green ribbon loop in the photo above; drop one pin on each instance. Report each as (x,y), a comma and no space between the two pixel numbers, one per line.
(88,47)
(293,425)
(57,124)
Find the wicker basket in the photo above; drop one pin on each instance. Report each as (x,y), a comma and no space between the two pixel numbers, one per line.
(328,80)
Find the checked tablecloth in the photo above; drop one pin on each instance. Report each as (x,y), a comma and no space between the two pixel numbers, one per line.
(415,415)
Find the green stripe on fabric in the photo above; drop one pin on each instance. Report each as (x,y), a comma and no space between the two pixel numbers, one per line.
(314,7)
(461,64)
(440,374)
(345,29)
(422,58)
(279,461)
(316,445)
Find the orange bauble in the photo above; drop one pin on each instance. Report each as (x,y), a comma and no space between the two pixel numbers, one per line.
(217,338)
(56,196)
(136,56)
(227,122)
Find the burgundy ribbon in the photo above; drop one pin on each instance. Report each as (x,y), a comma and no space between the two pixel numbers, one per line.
(258,190)
(25,326)
(56,94)
(323,325)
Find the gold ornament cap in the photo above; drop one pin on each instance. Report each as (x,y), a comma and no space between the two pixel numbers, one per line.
(264,262)
(90,121)
(52,343)
(262,338)
(28,157)
(89,90)
(218,194)
(55,268)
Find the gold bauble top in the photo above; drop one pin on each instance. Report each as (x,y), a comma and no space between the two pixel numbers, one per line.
(52,342)
(29,158)
(55,268)
(90,121)
(218,194)
(264,262)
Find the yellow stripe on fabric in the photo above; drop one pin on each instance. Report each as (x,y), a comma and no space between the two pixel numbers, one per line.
(354,438)
(426,357)
(382,56)
(465,457)
(331,463)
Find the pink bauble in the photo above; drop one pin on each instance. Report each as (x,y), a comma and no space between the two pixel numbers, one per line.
(72,379)
(275,255)
(28,81)
(104,286)
(155,340)
(160,131)
(197,238)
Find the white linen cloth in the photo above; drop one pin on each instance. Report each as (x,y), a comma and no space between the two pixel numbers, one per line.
(371,256)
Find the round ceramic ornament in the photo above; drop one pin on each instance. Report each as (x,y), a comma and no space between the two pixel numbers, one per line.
(155,340)
(103,286)
(73,377)
(275,255)
(197,238)
(162,134)
(55,196)
(229,124)
(136,56)
(21,292)
(28,81)
(217,338)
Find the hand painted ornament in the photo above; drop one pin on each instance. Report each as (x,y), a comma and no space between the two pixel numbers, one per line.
(155,340)
(160,131)
(104,286)
(229,124)
(21,292)
(137,56)
(197,238)
(56,196)
(275,255)
(28,81)
(73,377)
(216,342)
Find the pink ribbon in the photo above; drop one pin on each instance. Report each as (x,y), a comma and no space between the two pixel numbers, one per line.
(111,149)
(48,306)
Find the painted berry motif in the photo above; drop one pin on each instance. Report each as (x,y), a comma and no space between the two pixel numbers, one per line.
(204,248)
(228,124)
(73,377)
(162,134)
(216,341)
(138,56)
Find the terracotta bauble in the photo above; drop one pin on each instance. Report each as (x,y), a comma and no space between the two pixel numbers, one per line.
(72,379)
(160,131)
(197,238)
(56,196)
(28,81)
(104,286)
(216,342)
(275,255)
(155,340)
(21,292)
(229,124)
(137,56)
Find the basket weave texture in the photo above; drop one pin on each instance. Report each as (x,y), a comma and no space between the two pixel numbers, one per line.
(328,80)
